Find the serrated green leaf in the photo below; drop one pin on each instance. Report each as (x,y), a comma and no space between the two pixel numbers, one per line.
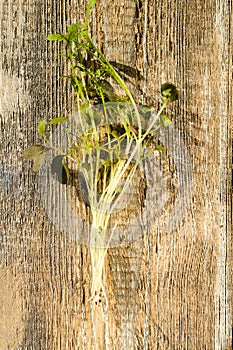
(166,120)
(41,127)
(58,120)
(55,37)
(169,92)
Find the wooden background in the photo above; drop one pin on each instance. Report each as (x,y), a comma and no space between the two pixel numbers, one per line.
(169,289)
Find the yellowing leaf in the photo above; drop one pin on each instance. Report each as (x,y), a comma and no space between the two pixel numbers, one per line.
(38,162)
(35,153)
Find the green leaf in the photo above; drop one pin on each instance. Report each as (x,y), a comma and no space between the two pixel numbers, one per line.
(37,154)
(58,120)
(159,148)
(73,28)
(55,37)
(169,92)
(166,120)
(41,127)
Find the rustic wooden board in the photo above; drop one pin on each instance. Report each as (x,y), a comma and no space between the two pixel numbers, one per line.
(171,287)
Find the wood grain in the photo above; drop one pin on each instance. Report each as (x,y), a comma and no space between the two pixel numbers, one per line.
(171,288)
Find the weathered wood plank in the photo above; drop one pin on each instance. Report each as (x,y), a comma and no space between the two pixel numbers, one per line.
(171,288)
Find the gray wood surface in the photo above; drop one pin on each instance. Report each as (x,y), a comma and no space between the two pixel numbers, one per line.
(171,286)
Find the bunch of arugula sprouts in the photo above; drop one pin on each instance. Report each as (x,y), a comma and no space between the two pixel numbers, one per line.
(107,157)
